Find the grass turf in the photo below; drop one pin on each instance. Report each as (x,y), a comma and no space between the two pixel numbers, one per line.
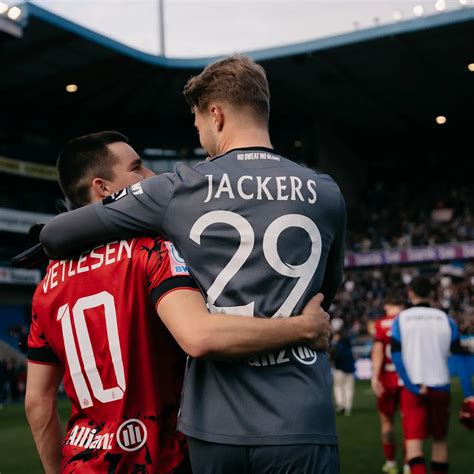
(360,447)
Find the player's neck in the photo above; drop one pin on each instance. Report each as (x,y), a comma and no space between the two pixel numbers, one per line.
(416,300)
(245,138)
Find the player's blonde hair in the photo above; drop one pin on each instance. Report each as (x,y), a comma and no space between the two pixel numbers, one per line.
(237,80)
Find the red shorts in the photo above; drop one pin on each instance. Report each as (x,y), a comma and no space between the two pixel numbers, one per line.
(425,415)
(387,402)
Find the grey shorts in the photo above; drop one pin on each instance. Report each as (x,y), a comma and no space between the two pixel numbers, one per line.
(213,458)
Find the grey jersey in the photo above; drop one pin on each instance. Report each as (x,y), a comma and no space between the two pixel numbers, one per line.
(261,235)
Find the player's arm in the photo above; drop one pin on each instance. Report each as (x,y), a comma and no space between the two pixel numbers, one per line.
(42,385)
(136,210)
(334,272)
(377,357)
(43,378)
(462,359)
(396,345)
(201,334)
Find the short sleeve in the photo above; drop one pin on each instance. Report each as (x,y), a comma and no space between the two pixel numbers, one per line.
(166,270)
(39,350)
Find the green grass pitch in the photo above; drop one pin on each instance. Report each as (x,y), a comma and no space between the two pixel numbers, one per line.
(360,446)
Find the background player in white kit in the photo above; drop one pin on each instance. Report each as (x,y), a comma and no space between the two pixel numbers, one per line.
(423,337)
(385,381)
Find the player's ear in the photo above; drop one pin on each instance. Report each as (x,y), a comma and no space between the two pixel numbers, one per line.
(217,115)
(100,188)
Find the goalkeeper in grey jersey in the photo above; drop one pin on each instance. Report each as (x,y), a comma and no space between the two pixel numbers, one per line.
(261,235)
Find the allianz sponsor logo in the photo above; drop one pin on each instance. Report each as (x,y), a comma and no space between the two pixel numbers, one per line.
(131,435)
(87,438)
(302,354)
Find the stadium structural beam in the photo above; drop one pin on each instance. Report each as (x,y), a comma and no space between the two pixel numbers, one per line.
(10,28)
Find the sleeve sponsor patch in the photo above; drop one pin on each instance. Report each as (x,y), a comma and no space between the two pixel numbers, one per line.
(177,264)
(114,197)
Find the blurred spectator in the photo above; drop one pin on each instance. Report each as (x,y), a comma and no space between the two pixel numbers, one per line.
(3,382)
(12,378)
(344,368)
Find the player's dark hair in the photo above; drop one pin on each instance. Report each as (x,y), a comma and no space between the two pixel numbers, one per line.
(236,79)
(84,158)
(422,287)
(395,298)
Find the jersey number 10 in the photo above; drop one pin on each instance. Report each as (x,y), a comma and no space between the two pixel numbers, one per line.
(102,394)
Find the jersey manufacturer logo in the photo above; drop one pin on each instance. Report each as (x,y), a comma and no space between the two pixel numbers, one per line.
(177,263)
(131,435)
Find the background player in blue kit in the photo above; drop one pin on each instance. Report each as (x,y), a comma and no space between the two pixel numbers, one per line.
(261,234)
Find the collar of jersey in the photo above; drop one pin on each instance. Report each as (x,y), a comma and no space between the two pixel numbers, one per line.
(422,305)
(260,148)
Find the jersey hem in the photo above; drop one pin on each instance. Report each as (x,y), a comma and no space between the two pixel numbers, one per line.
(260,440)
(160,298)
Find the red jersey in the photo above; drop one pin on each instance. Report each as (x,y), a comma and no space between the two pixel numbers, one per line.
(95,316)
(383,333)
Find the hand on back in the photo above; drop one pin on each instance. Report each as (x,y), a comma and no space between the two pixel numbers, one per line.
(319,328)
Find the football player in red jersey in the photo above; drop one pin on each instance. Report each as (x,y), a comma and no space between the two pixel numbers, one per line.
(94,326)
(385,381)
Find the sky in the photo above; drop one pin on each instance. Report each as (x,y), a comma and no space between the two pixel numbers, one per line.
(206,28)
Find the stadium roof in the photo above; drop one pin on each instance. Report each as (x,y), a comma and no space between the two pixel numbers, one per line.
(369,85)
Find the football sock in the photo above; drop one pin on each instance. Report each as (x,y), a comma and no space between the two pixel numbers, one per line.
(389,451)
(417,465)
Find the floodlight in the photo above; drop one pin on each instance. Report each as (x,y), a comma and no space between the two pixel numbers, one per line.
(14,13)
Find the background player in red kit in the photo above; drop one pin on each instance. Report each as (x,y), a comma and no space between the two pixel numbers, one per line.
(385,381)
(94,323)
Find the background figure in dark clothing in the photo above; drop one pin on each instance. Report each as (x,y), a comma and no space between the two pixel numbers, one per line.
(344,368)
(3,382)
(12,378)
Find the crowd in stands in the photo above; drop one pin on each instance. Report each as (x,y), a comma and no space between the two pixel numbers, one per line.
(360,298)
(402,215)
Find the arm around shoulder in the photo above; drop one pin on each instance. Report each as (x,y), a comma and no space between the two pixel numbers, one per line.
(201,334)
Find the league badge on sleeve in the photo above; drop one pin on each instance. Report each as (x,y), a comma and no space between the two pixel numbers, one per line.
(177,264)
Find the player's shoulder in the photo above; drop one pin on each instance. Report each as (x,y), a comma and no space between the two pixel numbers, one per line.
(377,323)
(422,310)
(387,318)
(405,312)
(145,246)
